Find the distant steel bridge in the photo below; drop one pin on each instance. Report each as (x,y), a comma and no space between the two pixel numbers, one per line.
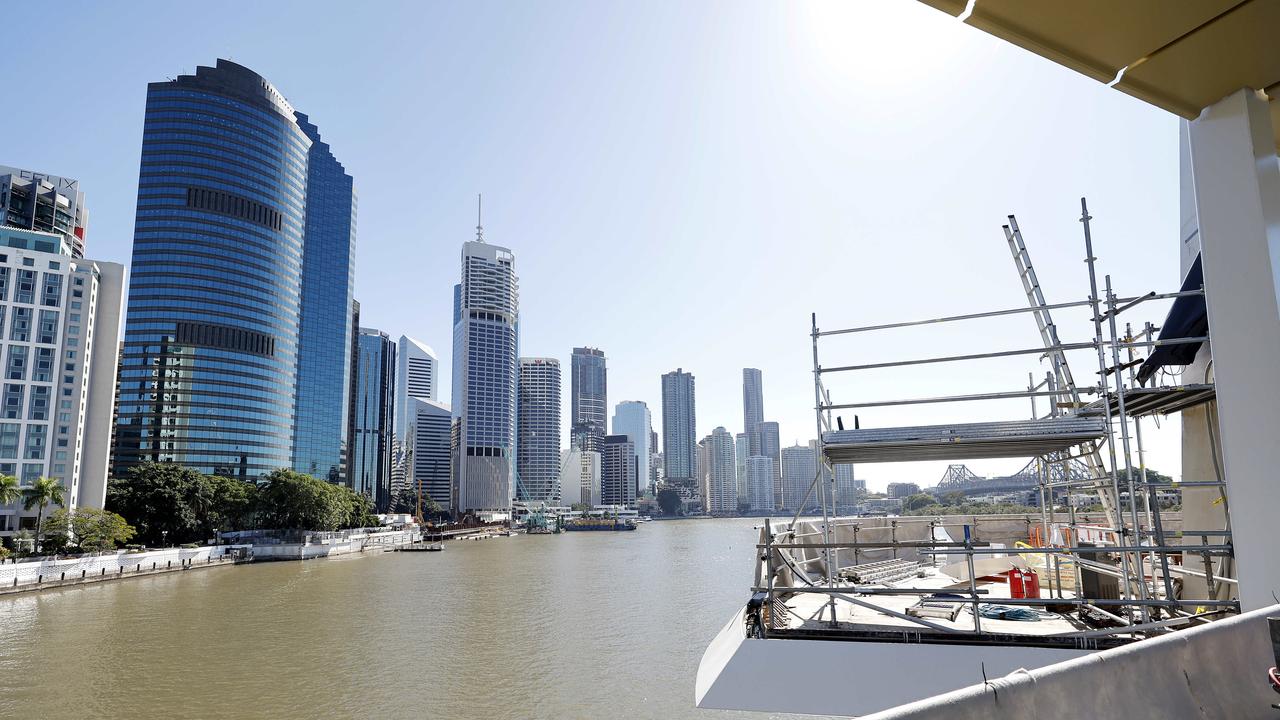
(959,478)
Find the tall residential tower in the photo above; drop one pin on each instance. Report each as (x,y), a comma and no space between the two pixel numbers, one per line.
(61,318)
(538,431)
(679,434)
(752,407)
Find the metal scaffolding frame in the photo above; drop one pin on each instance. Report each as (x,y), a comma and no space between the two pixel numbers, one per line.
(1128,496)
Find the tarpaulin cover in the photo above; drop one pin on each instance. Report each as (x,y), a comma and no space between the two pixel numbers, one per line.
(1187,318)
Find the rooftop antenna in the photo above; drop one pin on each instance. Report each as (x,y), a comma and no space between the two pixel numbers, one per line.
(479,224)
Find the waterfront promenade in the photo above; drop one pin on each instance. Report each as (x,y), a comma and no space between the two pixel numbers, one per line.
(26,576)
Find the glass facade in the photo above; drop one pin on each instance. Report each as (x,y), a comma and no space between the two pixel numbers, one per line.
(328,275)
(370,469)
(209,368)
(589,398)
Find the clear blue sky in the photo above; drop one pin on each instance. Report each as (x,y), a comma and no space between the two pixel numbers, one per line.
(682,182)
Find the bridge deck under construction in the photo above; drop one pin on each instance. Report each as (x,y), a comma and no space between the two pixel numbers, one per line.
(967,441)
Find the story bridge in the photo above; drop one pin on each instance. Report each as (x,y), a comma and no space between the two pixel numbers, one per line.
(959,478)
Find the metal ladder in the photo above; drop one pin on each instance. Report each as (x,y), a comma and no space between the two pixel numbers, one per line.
(1058,359)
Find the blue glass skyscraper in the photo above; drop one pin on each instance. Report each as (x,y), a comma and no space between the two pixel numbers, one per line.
(227,231)
(328,276)
(374,410)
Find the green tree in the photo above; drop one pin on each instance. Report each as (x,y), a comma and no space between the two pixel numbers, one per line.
(162,500)
(917,501)
(232,504)
(290,500)
(669,501)
(955,497)
(294,501)
(89,529)
(10,490)
(42,493)
(354,509)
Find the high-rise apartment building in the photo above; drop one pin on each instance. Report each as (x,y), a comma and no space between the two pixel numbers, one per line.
(771,447)
(59,320)
(902,489)
(429,458)
(589,398)
(369,471)
(679,420)
(721,491)
(538,431)
(241,265)
(752,407)
(632,418)
(798,471)
(617,471)
(655,461)
(485,375)
(847,492)
(760,483)
(742,453)
(50,205)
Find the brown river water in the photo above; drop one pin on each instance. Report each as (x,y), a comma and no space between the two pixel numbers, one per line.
(577,625)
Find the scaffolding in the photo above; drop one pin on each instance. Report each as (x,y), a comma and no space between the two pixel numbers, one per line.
(1066,442)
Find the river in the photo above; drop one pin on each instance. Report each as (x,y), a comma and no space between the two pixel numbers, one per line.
(577,625)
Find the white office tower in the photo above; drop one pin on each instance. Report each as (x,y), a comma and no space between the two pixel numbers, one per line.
(722,473)
(485,349)
(632,418)
(798,471)
(580,477)
(429,459)
(60,352)
(417,376)
(742,452)
(538,431)
(760,483)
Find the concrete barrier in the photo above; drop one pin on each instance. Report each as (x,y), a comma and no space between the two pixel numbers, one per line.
(23,575)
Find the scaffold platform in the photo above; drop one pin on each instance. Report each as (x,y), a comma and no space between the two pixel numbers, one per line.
(967,441)
(1154,400)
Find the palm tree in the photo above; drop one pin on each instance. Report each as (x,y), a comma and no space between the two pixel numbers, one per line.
(43,492)
(10,491)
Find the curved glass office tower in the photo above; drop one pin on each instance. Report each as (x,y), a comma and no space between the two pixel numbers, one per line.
(209,367)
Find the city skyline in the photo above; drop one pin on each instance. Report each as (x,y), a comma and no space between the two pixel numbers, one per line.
(767,198)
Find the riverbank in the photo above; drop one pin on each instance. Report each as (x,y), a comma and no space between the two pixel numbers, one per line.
(34,576)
